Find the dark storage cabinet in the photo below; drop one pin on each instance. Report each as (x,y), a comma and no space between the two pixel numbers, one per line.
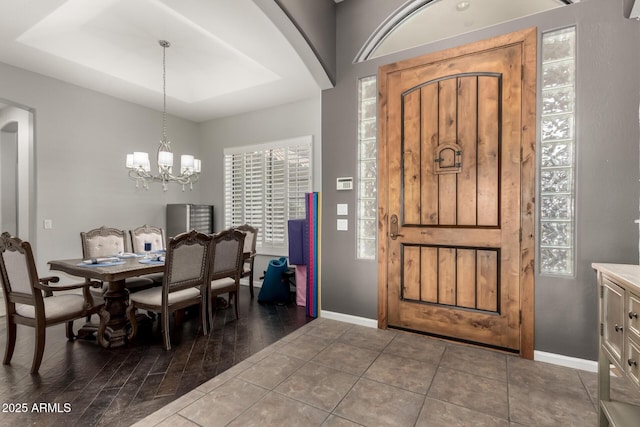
(186,217)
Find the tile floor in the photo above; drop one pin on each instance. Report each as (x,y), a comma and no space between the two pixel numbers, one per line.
(330,373)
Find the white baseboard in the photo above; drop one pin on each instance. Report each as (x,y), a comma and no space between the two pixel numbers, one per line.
(256,283)
(540,356)
(567,361)
(362,321)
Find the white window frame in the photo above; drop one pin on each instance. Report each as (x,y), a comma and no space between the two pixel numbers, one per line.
(287,201)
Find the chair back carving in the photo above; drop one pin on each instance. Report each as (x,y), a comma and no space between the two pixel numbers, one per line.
(147,233)
(228,247)
(18,271)
(103,242)
(187,261)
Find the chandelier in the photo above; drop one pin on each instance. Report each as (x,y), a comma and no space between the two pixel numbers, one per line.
(138,162)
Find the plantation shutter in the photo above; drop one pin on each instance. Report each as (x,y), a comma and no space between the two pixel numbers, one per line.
(298,179)
(265,186)
(275,196)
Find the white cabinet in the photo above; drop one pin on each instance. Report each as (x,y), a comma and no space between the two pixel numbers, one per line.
(619,308)
(612,322)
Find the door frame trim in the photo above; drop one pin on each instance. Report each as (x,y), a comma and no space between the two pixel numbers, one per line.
(527,39)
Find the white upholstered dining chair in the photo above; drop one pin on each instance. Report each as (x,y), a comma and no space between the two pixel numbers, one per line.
(226,259)
(26,304)
(249,252)
(148,234)
(107,242)
(186,282)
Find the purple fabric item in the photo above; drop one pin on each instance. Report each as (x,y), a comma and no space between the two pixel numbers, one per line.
(298,242)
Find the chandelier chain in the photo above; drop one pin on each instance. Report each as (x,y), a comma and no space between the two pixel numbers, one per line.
(138,162)
(165,44)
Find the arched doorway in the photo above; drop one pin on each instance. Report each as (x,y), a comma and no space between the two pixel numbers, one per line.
(17,180)
(9,177)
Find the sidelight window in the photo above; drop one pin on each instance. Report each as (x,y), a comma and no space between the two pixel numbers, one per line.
(557,160)
(367,224)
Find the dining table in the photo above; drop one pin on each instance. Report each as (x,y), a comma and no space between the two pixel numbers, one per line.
(112,329)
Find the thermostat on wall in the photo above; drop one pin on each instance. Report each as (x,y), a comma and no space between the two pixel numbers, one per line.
(344,183)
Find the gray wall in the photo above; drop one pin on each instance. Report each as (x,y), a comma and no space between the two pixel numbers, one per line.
(607,162)
(81,139)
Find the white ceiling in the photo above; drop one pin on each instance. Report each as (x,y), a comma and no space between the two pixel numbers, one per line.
(226,57)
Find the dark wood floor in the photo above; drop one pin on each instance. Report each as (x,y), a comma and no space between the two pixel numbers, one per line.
(117,387)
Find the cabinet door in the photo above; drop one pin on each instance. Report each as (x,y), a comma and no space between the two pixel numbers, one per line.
(633,314)
(613,319)
(632,364)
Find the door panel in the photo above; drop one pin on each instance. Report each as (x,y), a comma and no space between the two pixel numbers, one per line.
(467,135)
(451,138)
(466,278)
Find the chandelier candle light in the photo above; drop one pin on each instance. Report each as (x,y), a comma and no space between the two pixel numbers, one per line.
(138,162)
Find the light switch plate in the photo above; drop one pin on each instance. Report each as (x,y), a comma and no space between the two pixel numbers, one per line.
(343,225)
(343,209)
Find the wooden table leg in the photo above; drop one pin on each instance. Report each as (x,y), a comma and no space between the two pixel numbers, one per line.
(113,322)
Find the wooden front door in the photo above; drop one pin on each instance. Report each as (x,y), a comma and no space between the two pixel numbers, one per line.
(456,187)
